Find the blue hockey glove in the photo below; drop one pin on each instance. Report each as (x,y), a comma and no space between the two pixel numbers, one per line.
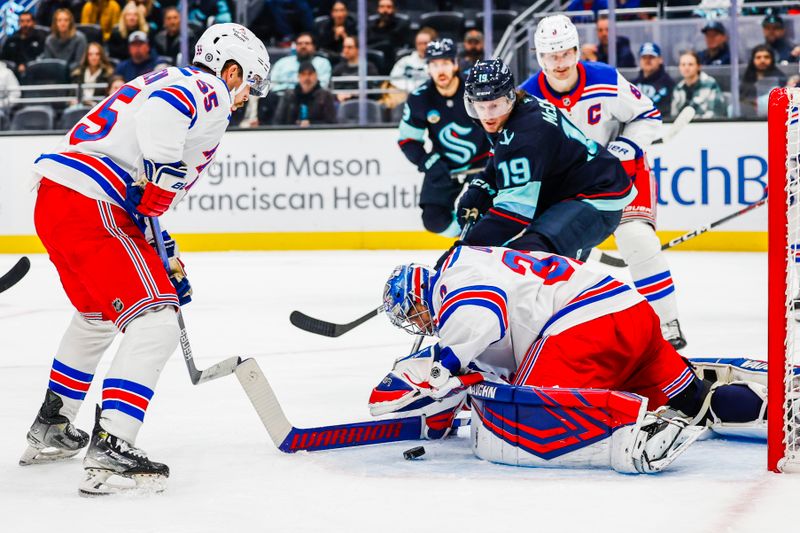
(177,271)
(435,169)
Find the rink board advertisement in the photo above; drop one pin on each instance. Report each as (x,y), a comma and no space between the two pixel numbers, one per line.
(353,188)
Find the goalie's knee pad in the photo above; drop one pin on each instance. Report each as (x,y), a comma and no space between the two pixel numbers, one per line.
(637,241)
(437,218)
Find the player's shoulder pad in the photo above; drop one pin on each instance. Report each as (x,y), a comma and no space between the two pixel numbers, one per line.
(531,85)
(533,112)
(420,93)
(600,74)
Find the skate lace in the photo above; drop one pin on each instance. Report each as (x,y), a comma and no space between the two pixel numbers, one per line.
(126,448)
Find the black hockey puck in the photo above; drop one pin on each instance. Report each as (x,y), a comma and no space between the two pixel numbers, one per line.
(413,453)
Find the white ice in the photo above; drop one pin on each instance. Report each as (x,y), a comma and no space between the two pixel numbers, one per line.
(227,475)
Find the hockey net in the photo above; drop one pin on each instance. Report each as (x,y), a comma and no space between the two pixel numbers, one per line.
(784,285)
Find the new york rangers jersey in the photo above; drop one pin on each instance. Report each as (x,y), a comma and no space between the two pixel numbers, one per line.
(491,304)
(603,105)
(175,114)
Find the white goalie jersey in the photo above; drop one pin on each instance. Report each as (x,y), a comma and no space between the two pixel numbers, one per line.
(491,304)
(604,106)
(166,116)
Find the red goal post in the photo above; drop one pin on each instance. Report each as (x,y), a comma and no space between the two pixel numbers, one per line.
(783,339)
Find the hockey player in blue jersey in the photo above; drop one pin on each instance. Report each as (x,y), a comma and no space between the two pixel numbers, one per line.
(614,113)
(548,187)
(437,107)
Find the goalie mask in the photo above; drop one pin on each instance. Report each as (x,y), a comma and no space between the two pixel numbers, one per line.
(407,299)
(233,42)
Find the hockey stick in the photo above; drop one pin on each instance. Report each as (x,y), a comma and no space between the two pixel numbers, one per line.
(330,329)
(16,273)
(223,368)
(290,439)
(618,262)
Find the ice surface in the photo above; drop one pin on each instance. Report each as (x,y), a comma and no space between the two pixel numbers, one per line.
(227,475)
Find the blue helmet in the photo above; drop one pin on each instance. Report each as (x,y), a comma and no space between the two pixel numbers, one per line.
(407,295)
(488,79)
(441,49)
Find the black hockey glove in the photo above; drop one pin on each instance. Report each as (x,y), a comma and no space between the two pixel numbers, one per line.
(478,196)
(436,170)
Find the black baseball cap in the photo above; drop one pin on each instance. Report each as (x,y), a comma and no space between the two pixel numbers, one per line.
(772,19)
(306,66)
(714,25)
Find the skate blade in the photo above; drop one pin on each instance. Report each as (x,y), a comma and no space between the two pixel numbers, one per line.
(38,456)
(99,482)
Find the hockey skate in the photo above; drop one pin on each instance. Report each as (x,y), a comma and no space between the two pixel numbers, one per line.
(111,457)
(672,334)
(52,436)
(661,440)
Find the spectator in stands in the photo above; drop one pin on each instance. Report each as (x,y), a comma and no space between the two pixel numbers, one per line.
(95,68)
(284,71)
(717,51)
(9,87)
(697,89)
(759,78)
(333,31)
(140,61)
(349,67)
(308,103)
(653,80)
(104,13)
(388,32)
(46,9)
(411,70)
(472,50)
(775,37)
(115,83)
(282,30)
(64,41)
(168,40)
(202,11)
(586,5)
(151,10)
(131,20)
(599,52)
(26,44)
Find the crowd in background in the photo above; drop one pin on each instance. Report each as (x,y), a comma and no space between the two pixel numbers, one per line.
(315,55)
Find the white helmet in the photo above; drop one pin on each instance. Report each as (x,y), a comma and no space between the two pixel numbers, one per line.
(221,43)
(554,34)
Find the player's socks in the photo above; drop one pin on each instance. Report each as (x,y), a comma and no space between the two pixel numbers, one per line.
(52,436)
(110,459)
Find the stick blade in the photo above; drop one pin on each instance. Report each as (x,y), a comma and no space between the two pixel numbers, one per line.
(313,325)
(223,368)
(610,260)
(16,273)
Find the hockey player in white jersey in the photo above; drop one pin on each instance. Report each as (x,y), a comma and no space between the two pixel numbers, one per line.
(613,112)
(543,320)
(134,155)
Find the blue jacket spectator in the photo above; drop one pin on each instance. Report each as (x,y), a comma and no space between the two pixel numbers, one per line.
(140,62)
(284,71)
(775,38)
(653,80)
(717,51)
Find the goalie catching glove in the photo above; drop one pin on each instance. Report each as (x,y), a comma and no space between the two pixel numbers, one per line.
(163,182)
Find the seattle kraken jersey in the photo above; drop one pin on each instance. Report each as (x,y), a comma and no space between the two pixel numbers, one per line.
(540,159)
(604,105)
(176,114)
(460,142)
(491,304)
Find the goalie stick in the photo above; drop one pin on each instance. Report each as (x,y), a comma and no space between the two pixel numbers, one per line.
(289,439)
(330,329)
(223,368)
(611,260)
(16,273)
